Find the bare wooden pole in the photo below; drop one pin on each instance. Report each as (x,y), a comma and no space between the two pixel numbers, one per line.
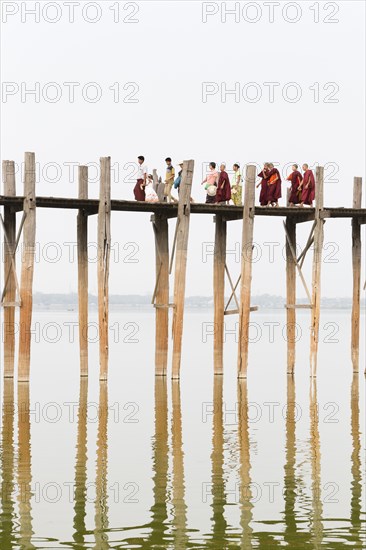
(82,244)
(28,251)
(291,294)
(219,292)
(9,275)
(184,211)
(104,248)
(161,231)
(317,260)
(246,270)
(356,264)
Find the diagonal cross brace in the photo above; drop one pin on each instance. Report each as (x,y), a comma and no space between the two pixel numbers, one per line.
(12,256)
(293,254)
(233,289)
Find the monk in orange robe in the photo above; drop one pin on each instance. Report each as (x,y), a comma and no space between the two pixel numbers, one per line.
(308,186)
(295,178)
(274,186)
(264,184)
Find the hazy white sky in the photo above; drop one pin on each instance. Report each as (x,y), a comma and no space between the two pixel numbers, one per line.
(297,69)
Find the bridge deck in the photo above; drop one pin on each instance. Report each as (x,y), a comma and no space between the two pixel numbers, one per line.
(170,210)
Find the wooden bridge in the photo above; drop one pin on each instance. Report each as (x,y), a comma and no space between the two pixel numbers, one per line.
(20,295)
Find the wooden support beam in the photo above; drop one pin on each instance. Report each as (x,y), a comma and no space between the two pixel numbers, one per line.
(82,244)
(184,210)
(246,270)
(219,292)
(298,306)
(155,180)
(161,232)
(317,263)
(28,252)
(9,275)
(104,249)
(160,190)
(356,265)
(236,311)
(290,294)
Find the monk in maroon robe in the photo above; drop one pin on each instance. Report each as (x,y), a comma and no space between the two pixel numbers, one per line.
(295,178)
(223,193)
(274,186)
(263,201)
(308,187)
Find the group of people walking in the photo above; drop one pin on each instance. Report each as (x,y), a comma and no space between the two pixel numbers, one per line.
(144,188)
(221,190)
(302,186)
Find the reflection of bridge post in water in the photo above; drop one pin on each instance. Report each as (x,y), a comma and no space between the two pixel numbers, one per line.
(317,507)
(24,468)
(158,510)
(290,534)
(356,483)
(101,507)
(219,524)
(246,514)
(179,505)
(80,467)
(7,516)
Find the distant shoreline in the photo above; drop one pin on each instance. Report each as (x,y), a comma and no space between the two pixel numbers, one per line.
(69,302)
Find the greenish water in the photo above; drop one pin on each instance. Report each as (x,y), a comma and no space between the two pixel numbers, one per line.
(207,462)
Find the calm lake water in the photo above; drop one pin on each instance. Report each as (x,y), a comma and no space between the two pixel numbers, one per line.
(207,462)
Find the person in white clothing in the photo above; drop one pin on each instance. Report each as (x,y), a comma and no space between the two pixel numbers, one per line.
(139,190)
(150,194)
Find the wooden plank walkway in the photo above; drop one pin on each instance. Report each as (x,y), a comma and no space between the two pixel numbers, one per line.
(171,210)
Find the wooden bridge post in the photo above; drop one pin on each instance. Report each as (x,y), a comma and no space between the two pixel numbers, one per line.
(161,295)
(316,277)
(219,291)
(291,294)
(356,264)
(10,285)
(184,210)
(104,248)
(82,244)
(246,270)
(28,251)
